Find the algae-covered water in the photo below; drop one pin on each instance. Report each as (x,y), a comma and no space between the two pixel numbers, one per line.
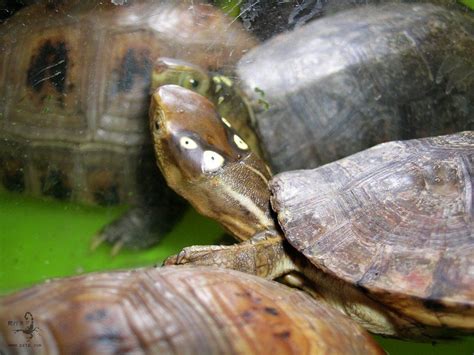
(44,239)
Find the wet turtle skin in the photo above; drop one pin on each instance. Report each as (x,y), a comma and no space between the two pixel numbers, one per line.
(74,99)
(349,81)
(175,310)
(395,220)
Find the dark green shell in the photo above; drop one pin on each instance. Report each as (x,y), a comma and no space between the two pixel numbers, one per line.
(265,19)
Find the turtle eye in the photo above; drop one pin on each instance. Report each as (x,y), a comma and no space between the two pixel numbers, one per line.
(187,143)
(194,83)
(191,82)
(211,161)
(240,142)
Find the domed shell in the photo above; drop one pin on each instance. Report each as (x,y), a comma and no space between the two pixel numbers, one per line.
(395,220)
(175,310)
(75,90)
(344,83)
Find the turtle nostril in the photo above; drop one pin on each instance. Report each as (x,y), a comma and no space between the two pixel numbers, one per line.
(157,125)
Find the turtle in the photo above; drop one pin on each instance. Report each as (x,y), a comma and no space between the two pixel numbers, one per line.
(386,235)
(346,82)
(175,310)
(218,87)
(74,98)
(358,78)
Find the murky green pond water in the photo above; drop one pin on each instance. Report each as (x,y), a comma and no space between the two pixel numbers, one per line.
(40,240)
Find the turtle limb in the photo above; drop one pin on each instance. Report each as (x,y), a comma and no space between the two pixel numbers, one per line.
(140,227)
(272,257)
(262,255)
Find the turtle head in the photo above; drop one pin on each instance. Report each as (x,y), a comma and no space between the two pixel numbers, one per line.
(168,71)
(203,159)
(190,135)
(218,88)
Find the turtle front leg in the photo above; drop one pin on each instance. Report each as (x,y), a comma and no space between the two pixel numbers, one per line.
(140,227)
(262,255)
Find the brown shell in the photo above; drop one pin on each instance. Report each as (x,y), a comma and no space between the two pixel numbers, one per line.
(175,310)
(75,89)
(395,220)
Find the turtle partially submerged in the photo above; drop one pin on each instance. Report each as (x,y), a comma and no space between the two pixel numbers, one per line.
(74,99)
(386,235)
(175,311)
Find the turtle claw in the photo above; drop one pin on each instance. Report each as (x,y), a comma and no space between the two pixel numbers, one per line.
(138,228)
(117,247)
(171,260)
(97,240)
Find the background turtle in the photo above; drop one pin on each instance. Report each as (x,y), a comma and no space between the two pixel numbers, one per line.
(177,311)
(346,82)
(266,19)
(74,98)
(385,235)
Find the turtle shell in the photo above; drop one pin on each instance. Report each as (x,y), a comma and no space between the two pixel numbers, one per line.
(344,83)
(175,310)
(75,88)
(396,221)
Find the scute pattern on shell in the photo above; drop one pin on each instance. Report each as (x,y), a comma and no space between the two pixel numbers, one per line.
(396,220)
(179,310)
(75,91)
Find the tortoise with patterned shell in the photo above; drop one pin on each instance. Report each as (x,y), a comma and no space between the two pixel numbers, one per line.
(74,99)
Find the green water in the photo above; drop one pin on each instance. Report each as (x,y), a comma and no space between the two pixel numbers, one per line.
(468,3)
(44,239)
